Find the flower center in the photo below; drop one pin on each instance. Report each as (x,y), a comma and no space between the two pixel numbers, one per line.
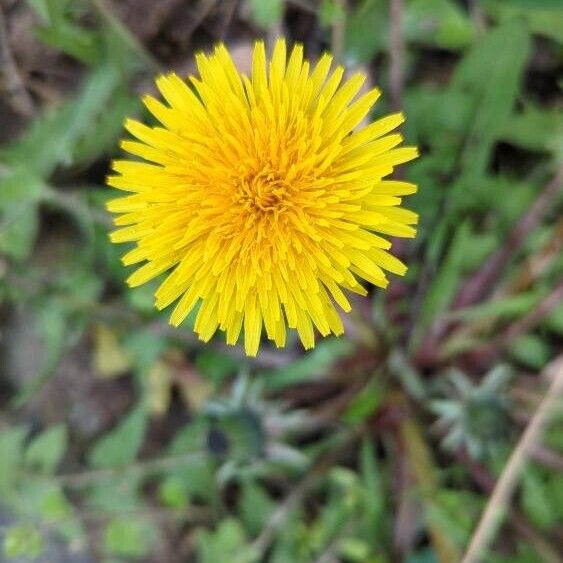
(263,192)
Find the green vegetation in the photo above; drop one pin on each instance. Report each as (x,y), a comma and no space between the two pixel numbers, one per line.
(128,440)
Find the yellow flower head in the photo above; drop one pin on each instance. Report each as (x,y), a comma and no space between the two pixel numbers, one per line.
(260,196)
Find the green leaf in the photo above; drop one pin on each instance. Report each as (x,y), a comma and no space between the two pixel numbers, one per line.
(365,403)
(11,455)
(266,13)
(123,496)
(128,537)
(445,283)
(60,31)
(535,129)
(554,320)
(173,492)
(355,550)
(55,508)
(18,230)
(23,540)
(424,555)
(490,76)
(544,17)
(366,31)
(121,445)
(144,347)
(67,124)
(46,501)
(73,40)
(536,503)
(196,475)
(373,498)
(228,538)
(437,22)
(19,194)
(47,449)
(51,320)
(532,4)
(310,367)
(330,12)
(454,512)
(255,507)
(109,127)
(216,365)
(501,308)
(530,350)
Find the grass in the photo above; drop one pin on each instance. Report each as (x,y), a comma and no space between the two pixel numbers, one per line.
(429,433)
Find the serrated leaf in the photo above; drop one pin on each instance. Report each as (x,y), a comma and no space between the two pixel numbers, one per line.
(47,449)
(121,445)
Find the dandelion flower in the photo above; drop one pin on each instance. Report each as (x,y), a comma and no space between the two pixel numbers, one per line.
(262,196)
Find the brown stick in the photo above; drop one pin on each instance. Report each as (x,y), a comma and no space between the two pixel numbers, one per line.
(504,488)
(486,482)
(17,95)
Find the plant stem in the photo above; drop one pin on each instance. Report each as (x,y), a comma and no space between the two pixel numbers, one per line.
(396,53)
(338,33)
(502,493)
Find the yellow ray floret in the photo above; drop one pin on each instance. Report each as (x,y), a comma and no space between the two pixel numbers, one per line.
(262,196)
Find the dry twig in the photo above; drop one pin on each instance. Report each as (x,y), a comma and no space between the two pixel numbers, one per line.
(17,95)
(502,493)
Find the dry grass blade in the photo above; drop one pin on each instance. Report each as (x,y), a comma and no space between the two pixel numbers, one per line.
(500,498)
